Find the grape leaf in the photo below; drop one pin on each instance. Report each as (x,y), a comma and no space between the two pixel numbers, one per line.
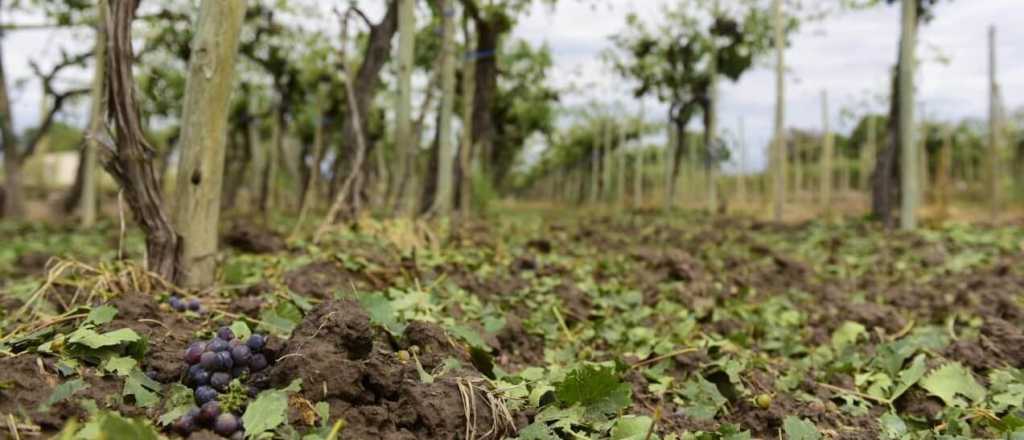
(120,365)
(142,388)
(950,380)
(598,389)
(241,330)
(799,429)
(632,428)
(101,315)
(267,412)
(90,338)
(62,392)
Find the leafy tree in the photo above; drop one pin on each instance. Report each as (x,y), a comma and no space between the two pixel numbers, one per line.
(673,61)
(17,149)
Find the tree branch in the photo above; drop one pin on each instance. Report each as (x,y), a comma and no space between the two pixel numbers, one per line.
(58,103)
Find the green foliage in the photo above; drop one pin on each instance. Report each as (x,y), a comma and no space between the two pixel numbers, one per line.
(63,392)
(952,381)
(597,388)
(799,429)
(267,412)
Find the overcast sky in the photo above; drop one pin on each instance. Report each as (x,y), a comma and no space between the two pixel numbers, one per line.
(849,55)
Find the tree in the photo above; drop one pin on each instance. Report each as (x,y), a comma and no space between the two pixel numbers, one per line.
(679,61)
(405,148)
(187,258)
(18,149)
(365,85)
(885,192)
(443,200)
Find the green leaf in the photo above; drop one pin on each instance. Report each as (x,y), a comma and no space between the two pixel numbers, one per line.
(179,400)
(241,330)
(951,380)
(101,315)
(632,428)
(598,389)
(323,412)
(122,366)
(909,377)
(799,429)
(893,426)
(268,411)
(381,313)
(63,392)
(113,426)
(142,388)
(282,319)
(703,398)
(90,338)
(469,335)
(846,335)
(537,431)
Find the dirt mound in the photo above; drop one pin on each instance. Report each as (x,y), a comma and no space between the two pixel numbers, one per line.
(255,241)
(343,360)
(323,279)
(29,381)
(516,346)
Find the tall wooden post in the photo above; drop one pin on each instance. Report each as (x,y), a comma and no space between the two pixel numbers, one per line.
(827,180)
(779,153)
(908,158)
(993,127)
(97,115)
(211,79)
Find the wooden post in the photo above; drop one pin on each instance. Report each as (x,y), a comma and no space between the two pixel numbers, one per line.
(827,180)
(211,79)
(779,156)
(97,116)
(445,169)
(993,128)
(908,158)
(403,106)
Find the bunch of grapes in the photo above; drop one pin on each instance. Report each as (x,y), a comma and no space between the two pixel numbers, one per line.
(180,305)
(213,365)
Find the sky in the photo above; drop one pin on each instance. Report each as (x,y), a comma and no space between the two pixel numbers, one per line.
(849,55)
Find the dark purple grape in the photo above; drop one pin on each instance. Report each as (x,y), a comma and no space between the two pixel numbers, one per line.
(239,372)
(225,334)
(185,425)
(217,344)
(193,352)
(252,391)
(209,412)
(205,394)
(177,304)
(258,362)
(256,342)
(226,424)
(220,381)
(241,355)
(210,361)
(199,376)
(152,374)
(194,305)
(226,363)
